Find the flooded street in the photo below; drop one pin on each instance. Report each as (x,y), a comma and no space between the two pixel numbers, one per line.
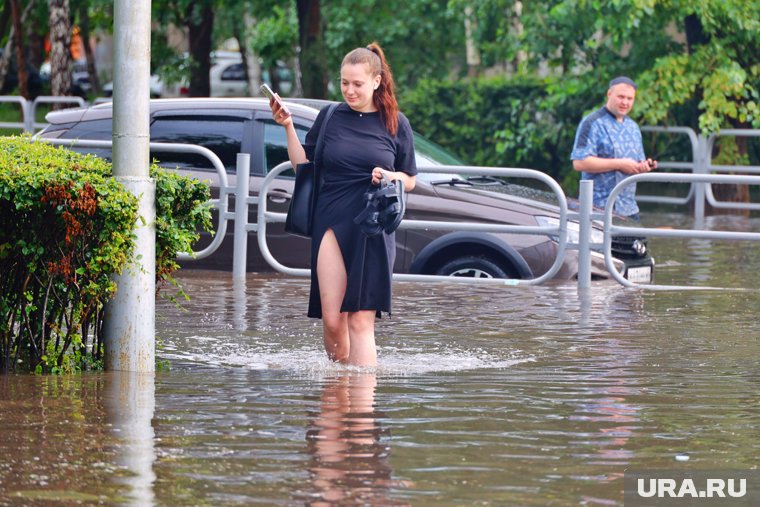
(529,396)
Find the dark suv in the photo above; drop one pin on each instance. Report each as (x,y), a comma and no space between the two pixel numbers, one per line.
(231,126)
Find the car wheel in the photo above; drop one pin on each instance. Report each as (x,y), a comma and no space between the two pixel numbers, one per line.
(472,266)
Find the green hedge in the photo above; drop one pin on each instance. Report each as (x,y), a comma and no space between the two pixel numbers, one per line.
(499,121)
(66,227)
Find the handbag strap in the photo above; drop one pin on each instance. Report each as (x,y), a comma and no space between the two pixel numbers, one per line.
(320,137)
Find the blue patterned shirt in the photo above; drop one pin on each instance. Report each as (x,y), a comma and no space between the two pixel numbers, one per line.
(601,135)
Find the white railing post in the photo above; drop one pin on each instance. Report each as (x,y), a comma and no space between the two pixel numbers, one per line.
(701,168)
(28,116)
(240,249)
(584,239)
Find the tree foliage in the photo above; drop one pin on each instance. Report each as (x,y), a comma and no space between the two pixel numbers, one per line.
(699,54)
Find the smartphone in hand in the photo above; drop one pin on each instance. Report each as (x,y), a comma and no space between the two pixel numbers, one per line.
(269,93)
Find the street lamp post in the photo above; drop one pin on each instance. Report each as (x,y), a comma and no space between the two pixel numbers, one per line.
(129,323)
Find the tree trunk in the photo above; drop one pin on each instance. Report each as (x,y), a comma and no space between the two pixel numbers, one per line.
(471,48)
(199,35)
(695,33)
(237,33)
(254,70)
(5,15)
(5,59)
(18,36)
(36,54)
(84,32)
(60,43)
(312,60)
(5,18)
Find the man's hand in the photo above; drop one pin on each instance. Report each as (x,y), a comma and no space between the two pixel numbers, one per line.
(630,166)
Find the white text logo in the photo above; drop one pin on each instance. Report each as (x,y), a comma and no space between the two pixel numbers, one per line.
(671,488)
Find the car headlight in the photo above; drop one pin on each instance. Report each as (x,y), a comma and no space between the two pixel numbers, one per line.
(640,247)
(573,230)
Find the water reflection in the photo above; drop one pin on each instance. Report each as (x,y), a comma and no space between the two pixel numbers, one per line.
(349,457)
(130,401)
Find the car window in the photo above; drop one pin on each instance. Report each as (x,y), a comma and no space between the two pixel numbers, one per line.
(233,73)
(276,146)
(428,154)
(222,135)
(98,130)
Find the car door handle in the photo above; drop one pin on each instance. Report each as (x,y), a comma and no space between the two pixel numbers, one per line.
(278,196)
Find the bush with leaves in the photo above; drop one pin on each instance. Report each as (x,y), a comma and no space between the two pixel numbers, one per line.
(493,122)
(182,209)
(66,228)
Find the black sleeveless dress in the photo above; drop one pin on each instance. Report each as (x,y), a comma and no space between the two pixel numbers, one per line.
(354,144)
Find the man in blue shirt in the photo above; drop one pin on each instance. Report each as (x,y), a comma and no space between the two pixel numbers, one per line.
(608,148)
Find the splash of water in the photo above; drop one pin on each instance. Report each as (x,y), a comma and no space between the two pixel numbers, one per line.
(311,359)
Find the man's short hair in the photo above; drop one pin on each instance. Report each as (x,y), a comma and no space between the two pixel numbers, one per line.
(622,80)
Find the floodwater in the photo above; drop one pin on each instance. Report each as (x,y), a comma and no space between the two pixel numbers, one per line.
(538,396)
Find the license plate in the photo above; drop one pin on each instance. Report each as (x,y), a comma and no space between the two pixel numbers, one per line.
(641,274)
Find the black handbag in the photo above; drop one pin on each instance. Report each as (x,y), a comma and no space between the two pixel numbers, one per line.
(308,180)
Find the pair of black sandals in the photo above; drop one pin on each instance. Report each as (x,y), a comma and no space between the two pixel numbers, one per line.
(384,208)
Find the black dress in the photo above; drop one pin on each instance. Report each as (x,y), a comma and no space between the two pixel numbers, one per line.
(354,144)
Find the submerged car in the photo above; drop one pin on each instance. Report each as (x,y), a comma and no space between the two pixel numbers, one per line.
(230,126)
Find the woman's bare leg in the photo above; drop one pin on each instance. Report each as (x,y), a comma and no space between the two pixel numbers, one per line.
(361,334)
(331,273)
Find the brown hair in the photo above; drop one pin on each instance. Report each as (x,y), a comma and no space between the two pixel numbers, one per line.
(384,97)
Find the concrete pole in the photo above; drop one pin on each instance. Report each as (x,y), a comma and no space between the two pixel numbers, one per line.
(129,324)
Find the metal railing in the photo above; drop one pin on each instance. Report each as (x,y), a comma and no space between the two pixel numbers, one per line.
(697,162)
(265,216)
(584,246)
(701,192)
(243,227)
(28,123)
(24,105)
(749,169)
(611,230)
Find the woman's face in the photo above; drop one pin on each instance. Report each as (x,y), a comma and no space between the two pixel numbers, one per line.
(358,85)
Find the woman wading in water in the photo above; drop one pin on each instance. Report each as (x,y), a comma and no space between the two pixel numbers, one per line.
(365,140)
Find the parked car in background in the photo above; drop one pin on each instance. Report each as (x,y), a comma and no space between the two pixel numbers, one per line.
(35,82)
(157,88)
(81,85)
(232,126)
(226,79)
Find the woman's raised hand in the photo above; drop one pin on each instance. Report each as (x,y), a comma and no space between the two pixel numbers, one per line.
(279,113)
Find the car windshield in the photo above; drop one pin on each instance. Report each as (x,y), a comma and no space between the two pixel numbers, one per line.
(429,154)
